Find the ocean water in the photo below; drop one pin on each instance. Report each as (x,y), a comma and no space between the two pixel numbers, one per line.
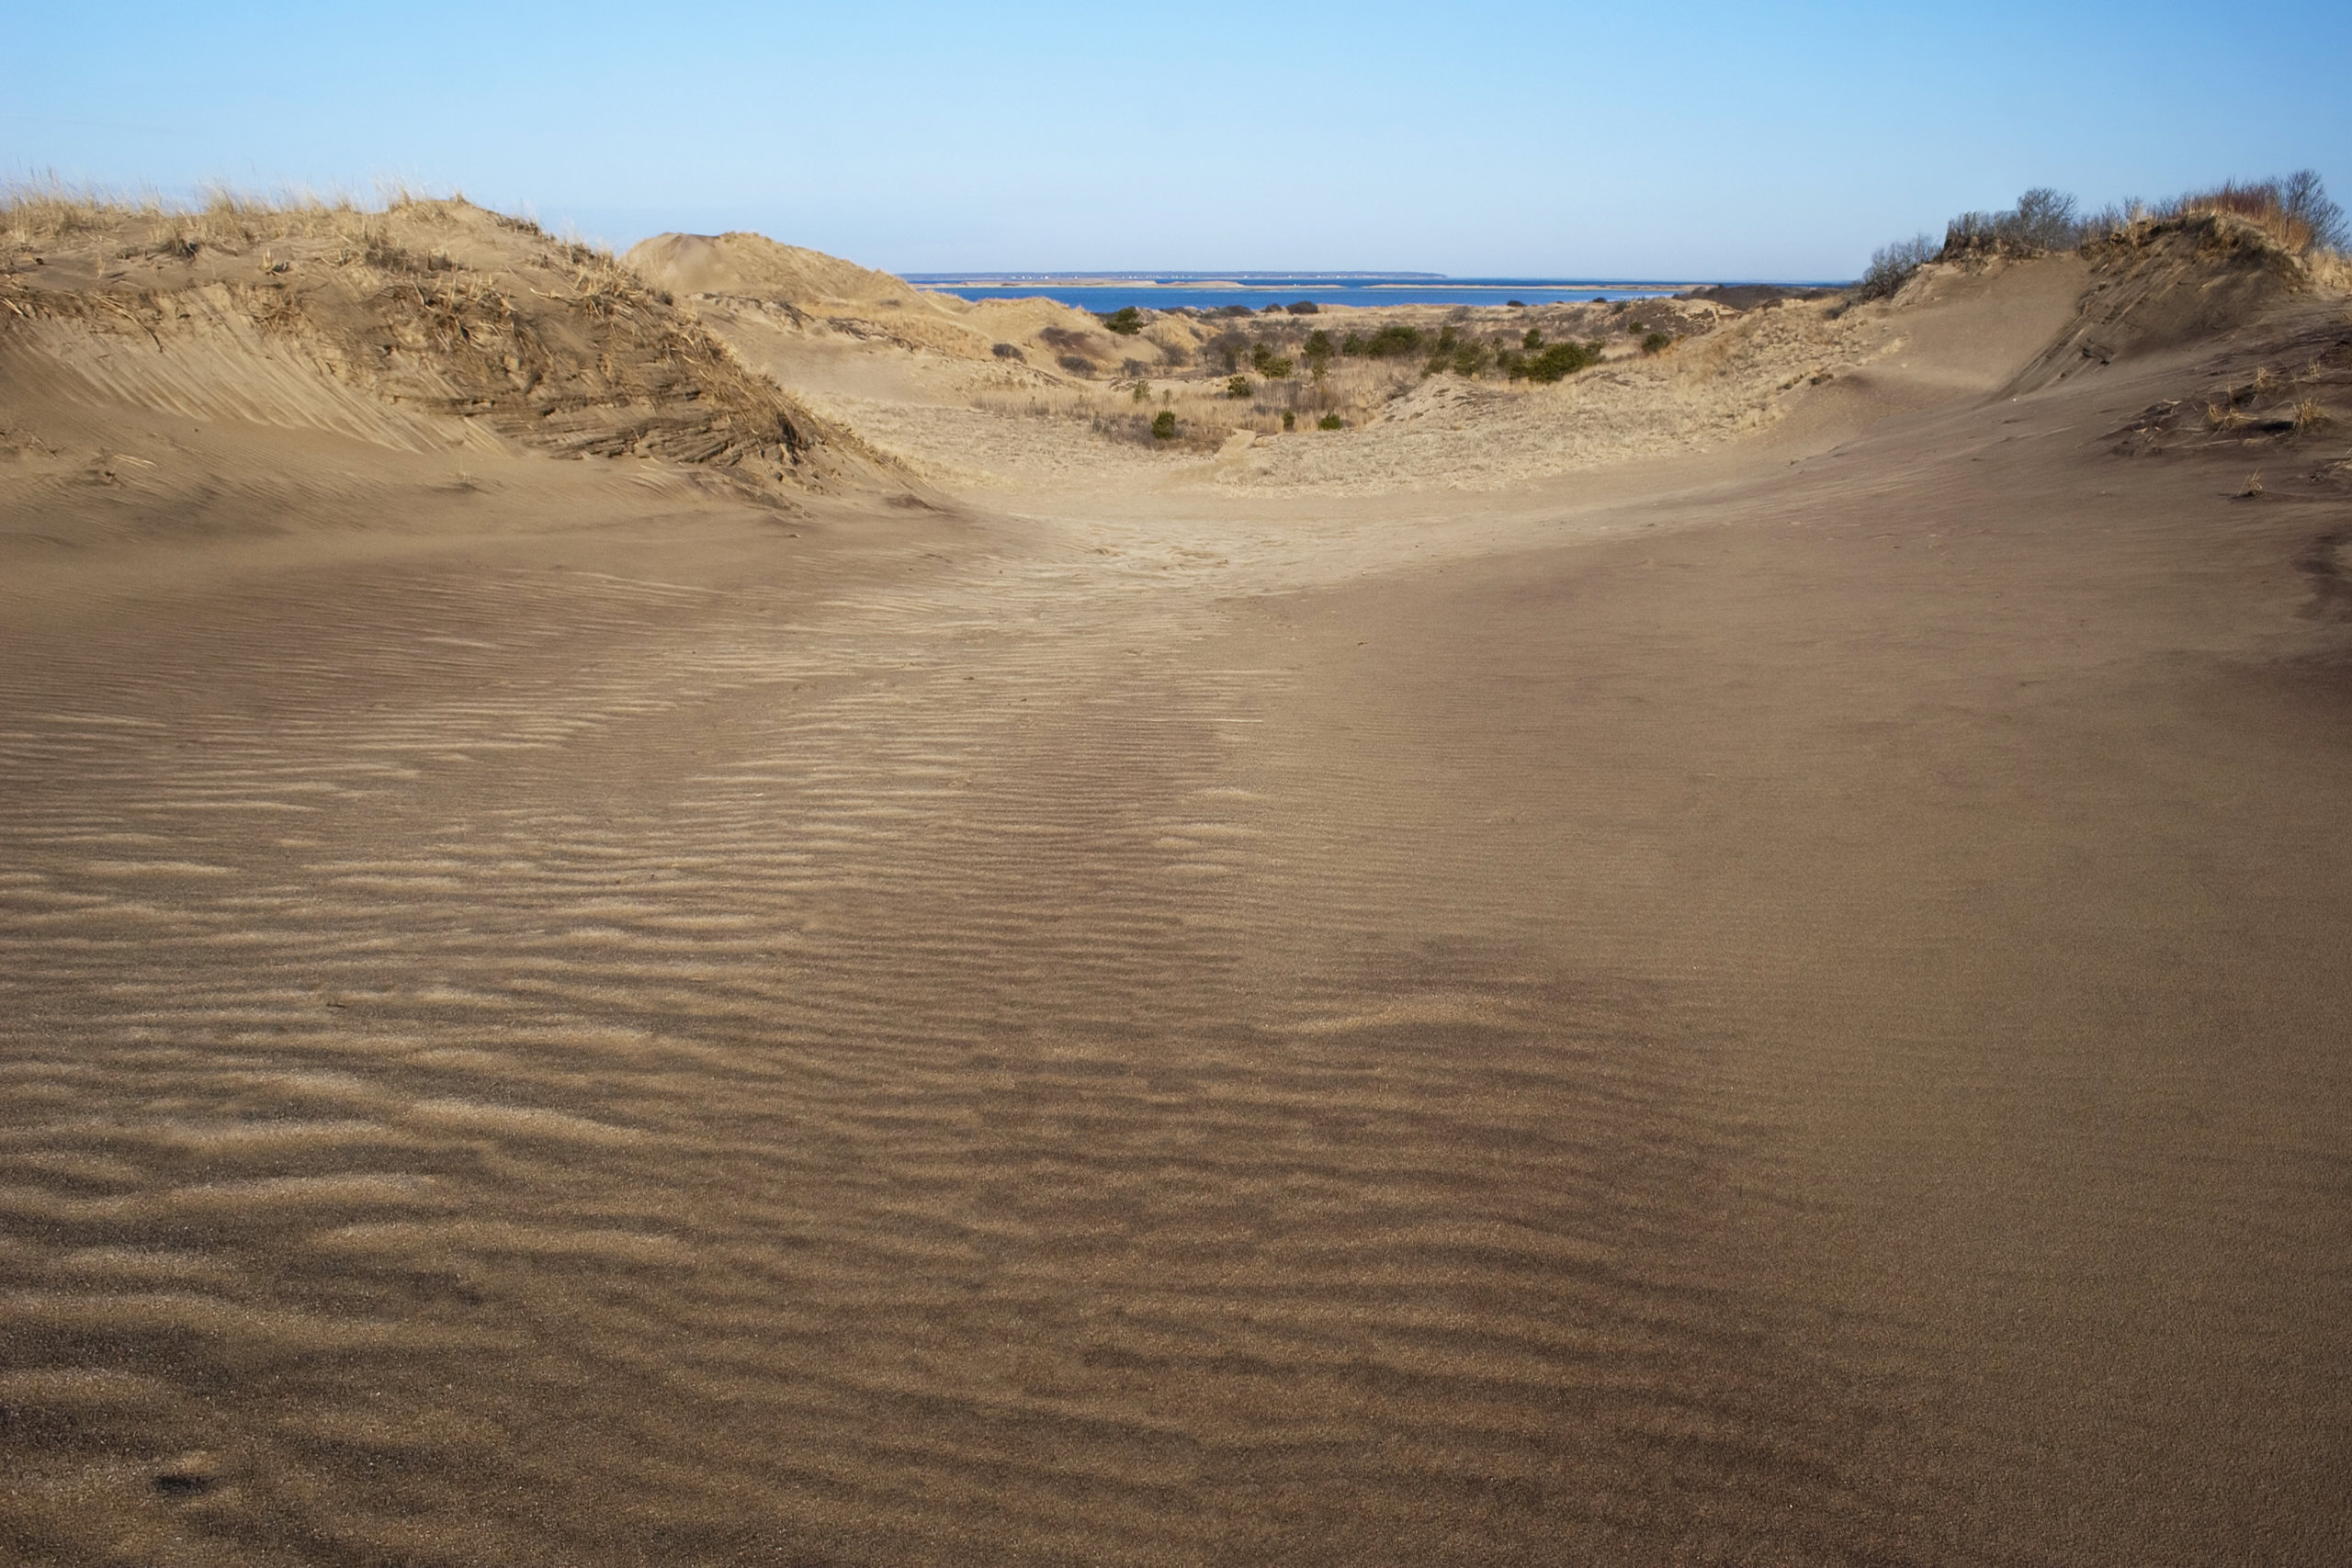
(1208,291)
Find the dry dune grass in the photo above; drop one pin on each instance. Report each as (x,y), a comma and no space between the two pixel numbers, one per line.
(2293,214)
(35,212)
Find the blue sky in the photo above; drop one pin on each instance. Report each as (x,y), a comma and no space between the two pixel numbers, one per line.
(1705,140)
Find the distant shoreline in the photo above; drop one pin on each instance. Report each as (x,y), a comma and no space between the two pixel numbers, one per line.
(1104,291)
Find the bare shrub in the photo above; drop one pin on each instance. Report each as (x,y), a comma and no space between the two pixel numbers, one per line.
(1892,266)
(2043,219)
(1007,350)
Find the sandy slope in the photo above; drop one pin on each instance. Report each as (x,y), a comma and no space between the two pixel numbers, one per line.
(1778,1005)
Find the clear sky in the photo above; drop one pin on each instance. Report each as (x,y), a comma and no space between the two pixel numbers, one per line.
(1705,141)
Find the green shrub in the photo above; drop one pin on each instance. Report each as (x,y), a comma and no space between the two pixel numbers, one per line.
(1163,425)
(1289,418)
(1534,338)
(1237,387)
(1553,364)
(1657,343)
(1391,341)
(1463,359)
(1126,321)
(1267,363)
(1330,421)
(1319,346)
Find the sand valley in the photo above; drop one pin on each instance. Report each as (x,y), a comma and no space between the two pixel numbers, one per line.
(664,910)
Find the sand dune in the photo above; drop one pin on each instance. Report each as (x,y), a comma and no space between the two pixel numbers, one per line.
(435,325)
(1767,993)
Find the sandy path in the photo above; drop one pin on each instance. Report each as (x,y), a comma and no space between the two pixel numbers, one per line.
(1794,1025)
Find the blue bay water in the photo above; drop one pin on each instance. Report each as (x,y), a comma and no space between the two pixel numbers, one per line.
(1258,290)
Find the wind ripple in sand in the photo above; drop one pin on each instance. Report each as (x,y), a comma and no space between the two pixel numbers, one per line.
(645,1082)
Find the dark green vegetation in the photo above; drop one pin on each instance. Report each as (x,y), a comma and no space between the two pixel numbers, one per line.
(1163,425)
(1126,321)
(1463,355)
(1530,359)
(1330,421)
(1394,341)
(1554,363)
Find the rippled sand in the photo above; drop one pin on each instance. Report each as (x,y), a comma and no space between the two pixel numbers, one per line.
(1788,1012)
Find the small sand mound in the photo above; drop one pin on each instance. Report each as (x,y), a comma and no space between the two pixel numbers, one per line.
(827,294)
(757,267)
